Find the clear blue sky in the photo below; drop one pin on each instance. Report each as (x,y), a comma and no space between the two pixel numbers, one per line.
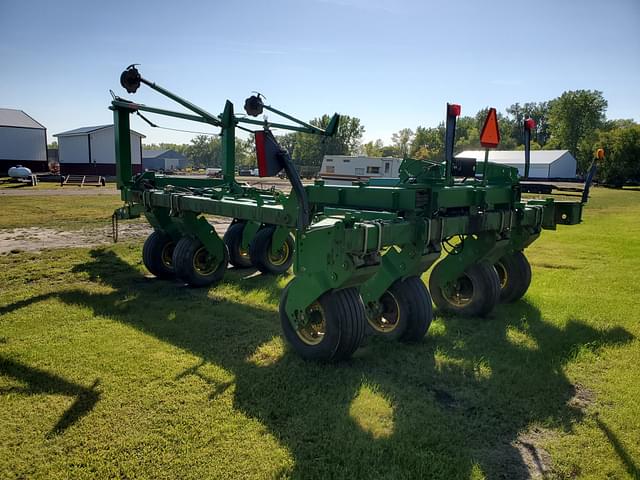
(393,64)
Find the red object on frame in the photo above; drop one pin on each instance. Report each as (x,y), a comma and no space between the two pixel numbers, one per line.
(490,136)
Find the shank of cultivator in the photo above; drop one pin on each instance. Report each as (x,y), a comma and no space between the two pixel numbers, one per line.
(357,251)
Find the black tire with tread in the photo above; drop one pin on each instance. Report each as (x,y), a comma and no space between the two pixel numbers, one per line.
(345,326)
(260,249)
(233,240)
(518,276)
(415,311)
(414,295)
(152,253)
(485,286)
(183,261)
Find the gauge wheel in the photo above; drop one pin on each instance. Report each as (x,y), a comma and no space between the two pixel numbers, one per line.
(157,254)
(264,259)
(195,265)
(474,294)
(514,273)
(332,329)
(405,311)
(238,256)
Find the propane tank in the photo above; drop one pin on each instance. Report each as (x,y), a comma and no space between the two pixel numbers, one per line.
(19,172)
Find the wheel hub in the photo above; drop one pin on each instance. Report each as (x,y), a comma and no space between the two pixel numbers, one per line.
(313,330)
(388,317)
(281,256)
(460,293)
(502,274)
(203,263)
(167,254)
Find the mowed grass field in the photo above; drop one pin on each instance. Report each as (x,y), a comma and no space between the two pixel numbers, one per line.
(108,373)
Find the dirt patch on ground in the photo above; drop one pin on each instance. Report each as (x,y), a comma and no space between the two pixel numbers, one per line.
(35,239)
(582,398)
(536,460)
(520,459)
(62,191)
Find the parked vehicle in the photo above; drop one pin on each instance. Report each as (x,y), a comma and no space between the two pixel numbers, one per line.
(344,170)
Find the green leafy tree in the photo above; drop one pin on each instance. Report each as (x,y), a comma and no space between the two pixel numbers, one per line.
(309,149)
(402,141)
(467,133)
(204,151)
(373,149)
(287,141)
(246,152)
(573,117)
(538,111)
(428,143)
(622,154)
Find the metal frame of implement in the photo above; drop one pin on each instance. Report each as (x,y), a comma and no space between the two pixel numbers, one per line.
(368,237)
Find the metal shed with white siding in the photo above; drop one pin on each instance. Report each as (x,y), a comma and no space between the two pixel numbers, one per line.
(92,151)
(23,141)
(545,164)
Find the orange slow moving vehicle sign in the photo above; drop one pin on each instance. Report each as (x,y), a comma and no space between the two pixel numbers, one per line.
(490,136)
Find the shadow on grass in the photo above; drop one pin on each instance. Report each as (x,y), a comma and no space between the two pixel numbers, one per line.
(622,453)
(456,401)
(40,382)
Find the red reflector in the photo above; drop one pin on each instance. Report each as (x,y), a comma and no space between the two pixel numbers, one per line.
(454,109)
(490,136)
(529,124)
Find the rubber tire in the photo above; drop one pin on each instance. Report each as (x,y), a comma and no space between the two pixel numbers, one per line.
(345,321)
(518,273)
(152,255)
(486,291)
(260,248)
(233,240)
(416,311)
(183,255)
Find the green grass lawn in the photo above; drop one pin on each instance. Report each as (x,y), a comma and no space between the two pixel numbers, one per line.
(105,372)
(69,212)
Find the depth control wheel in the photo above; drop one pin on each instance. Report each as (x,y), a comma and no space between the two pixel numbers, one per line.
(238,257)
(405,311)
(332,329)
(157,254)
(195,265)
(262,257)
(474,294)
(514,273)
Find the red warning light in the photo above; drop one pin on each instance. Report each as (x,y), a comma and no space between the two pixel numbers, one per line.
(490,136)
(454,109)
(529,124)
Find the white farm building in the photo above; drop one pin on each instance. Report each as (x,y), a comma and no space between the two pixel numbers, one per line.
(545,164)
(23,141)
(92,151)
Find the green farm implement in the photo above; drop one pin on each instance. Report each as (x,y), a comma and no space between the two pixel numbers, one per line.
(358,251)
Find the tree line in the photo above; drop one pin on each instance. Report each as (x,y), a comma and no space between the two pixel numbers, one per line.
(575,121)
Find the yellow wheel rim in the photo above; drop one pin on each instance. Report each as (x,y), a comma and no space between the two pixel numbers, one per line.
(281,256)
(203,264)
(460,293)
(313,331)
(167,254)
(389,317)
(502,274)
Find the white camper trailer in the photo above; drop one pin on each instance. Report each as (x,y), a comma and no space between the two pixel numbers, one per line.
(343,169)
